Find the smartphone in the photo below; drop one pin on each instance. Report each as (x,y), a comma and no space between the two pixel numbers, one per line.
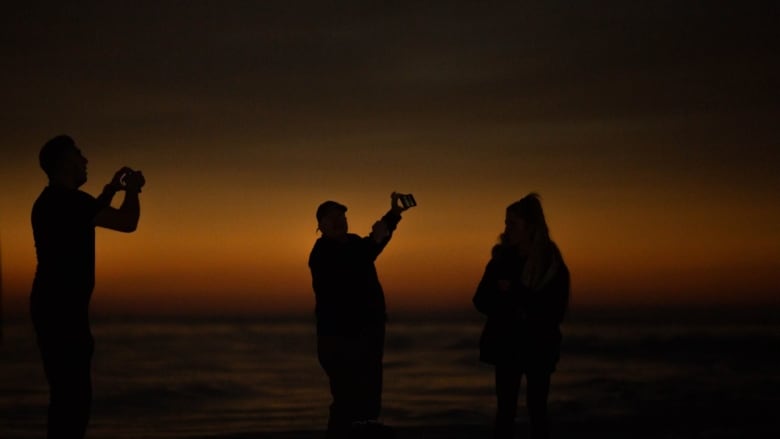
(407,200)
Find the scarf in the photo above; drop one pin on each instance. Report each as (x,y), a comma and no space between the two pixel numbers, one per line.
(542,265)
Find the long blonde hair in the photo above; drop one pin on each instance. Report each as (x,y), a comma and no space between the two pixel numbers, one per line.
(543,257)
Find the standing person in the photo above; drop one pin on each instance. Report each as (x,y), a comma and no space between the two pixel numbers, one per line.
(524,294)
(350,310)
(63,222)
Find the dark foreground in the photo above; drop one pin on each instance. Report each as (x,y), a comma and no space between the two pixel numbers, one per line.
(716,426)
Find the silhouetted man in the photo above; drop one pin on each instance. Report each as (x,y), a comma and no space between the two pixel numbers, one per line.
(351,317)
(63,222)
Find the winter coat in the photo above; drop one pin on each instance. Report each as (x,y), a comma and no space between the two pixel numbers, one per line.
(523,325)
(349,297)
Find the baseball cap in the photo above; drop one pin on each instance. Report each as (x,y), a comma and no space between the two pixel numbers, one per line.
(327,207)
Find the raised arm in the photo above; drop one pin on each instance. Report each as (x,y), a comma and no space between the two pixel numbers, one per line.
(124,219)
(382,230)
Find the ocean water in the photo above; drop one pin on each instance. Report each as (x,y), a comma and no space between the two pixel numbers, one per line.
(185,378)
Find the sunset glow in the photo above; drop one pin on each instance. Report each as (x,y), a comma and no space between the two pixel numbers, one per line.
(658,188)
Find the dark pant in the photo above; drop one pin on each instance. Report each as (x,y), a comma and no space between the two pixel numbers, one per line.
(66,350)
(508,380)
(354,369)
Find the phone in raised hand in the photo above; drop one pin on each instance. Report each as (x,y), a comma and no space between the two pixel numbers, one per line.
(407,200)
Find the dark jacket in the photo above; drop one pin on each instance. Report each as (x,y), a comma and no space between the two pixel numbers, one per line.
(349,296)
(523,325)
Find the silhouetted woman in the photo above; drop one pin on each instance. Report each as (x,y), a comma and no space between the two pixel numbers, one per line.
(524,294)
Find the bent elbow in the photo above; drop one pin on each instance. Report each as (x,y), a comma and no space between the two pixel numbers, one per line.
(132,225)
(129,228)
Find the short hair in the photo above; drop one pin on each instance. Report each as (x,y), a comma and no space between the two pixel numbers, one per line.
(53,152)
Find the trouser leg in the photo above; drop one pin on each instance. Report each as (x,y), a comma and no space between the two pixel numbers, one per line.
(507,388)
(337,361)
(370,374)
(70,388)
(536,399)
(354,369)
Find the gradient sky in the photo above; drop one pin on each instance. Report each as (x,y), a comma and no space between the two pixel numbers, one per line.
(651,133)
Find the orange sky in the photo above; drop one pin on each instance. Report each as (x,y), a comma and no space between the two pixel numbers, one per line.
(657,173)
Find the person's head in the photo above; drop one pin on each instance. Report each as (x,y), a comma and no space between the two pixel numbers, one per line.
(332,219)
(63,162)
(525,227)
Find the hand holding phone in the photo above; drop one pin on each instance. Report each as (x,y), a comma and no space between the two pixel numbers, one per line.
(401,202)
(133,180)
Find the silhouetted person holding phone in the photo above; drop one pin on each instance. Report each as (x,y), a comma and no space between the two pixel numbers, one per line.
(350,310)
(524,294)
(63,222)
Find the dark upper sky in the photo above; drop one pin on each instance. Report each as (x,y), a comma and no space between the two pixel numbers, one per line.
(161,66)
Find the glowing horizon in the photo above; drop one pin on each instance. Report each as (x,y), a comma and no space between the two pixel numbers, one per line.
(655,151)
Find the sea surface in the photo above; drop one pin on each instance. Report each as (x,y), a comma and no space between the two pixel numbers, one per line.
(180,377)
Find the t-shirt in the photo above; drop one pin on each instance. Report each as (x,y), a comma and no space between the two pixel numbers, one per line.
(64,232)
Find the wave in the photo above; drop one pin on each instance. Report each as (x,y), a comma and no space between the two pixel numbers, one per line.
(160,380)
